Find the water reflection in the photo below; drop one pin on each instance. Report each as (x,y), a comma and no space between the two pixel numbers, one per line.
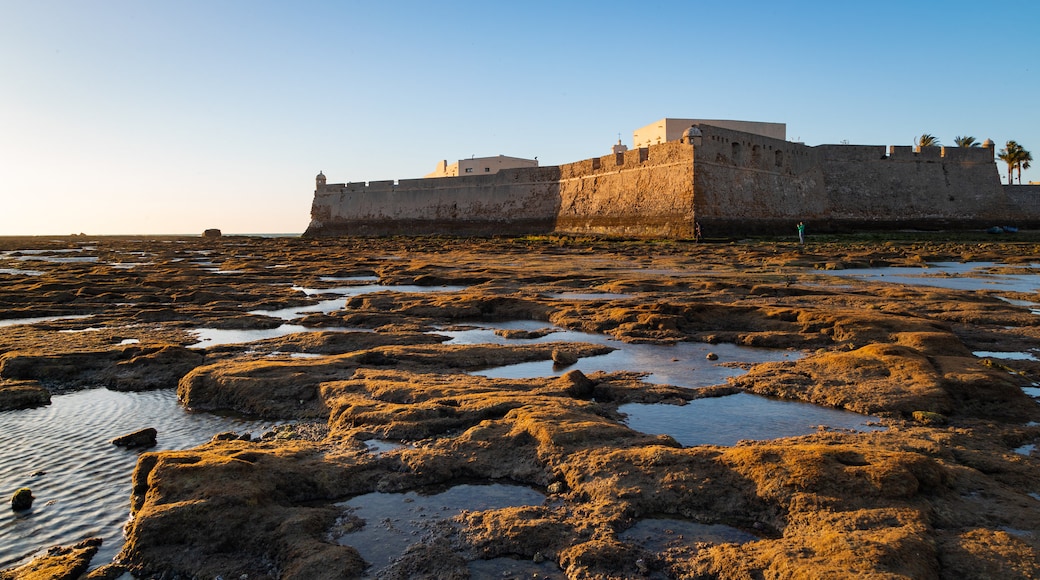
(658,535)
(341,293)
(219,336)
(682,364)
(726,420)
(35,319)
(390,522)
(1004,355)
(587,296)
(970,276)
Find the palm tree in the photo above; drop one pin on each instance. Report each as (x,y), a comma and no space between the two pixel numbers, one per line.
(966,142)
(1024,159)
(1011,154)
(927,140)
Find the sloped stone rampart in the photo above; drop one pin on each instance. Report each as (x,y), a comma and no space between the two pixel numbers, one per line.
(728,182)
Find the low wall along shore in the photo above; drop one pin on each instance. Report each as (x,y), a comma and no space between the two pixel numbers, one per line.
(728,182)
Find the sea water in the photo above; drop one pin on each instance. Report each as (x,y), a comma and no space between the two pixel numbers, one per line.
(81,481)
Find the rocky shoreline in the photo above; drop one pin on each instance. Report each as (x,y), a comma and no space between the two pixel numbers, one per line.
(940,493)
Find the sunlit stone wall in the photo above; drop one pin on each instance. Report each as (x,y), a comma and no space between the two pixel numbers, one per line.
(729,182)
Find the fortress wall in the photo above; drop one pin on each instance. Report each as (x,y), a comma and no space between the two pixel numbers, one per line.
(968,154)
(514,201)
(901,153)
(643,192)
(910,189)
(853,152)
(928,153)
(746,183)
(1024,205)
(728,181)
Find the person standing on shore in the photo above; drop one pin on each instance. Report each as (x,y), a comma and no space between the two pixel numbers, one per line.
(801,233)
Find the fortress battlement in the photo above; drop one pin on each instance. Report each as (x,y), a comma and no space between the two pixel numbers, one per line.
(724,180)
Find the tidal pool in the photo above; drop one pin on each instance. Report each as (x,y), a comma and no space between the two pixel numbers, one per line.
(218,336)
(1005,355)
(1025,449)
(726,420)
(682,364)
(511,569)
(35,319)
(394,521)
(80,480)
(658,535)
(341,293)
(588,296)
(21,272)
(950,275)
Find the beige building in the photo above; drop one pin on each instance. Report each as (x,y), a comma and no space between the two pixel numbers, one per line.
(480,166)
(672,129)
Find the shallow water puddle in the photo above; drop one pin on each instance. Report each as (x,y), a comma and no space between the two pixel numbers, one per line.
(218,336)
(1005,355)
(341,293)
(658,535)
(1025,449)
(35,319)
(61,259)
(379,447)
(510,569)
(950,275)
(726,420)
(684,364)
(21,272)
(588,296)
(390,522)
(80,480)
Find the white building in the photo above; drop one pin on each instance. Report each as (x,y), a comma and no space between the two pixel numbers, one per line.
(668,129)
(480,166)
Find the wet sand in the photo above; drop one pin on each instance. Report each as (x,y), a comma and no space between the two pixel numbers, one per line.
(948,489)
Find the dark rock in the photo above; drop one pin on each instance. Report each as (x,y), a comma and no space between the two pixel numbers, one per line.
(577,384)
(143,438)
(712,356)
(22,395)
(929,418)
(563,358)
(22,500)
(211,233)
(152,369)
(108,572)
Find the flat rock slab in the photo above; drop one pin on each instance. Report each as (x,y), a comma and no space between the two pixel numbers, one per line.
(143,438)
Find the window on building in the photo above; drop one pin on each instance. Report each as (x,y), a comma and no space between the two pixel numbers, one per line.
(469,170)
(487,170)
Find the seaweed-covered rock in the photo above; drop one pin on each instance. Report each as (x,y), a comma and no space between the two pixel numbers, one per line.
(141,438)
(22,499)
(22,395)
(59,563)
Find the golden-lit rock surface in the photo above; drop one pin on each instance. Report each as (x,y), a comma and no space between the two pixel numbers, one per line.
(59,563)
(939,493)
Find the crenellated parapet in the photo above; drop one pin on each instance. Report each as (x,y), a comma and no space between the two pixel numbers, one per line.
(727,181)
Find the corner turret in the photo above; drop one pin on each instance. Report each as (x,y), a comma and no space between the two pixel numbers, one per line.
(692,136)
(319,181)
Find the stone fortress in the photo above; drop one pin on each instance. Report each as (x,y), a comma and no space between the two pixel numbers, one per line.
(727,177)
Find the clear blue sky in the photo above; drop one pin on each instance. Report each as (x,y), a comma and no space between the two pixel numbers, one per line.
(134,116)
